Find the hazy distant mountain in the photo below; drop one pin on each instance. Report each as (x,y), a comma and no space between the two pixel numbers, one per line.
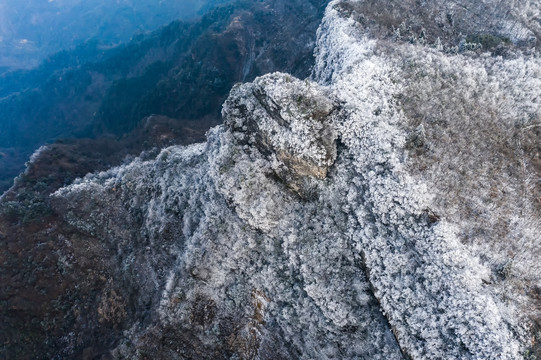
(32,29)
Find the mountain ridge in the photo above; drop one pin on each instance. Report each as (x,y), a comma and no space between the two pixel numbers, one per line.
(383,208)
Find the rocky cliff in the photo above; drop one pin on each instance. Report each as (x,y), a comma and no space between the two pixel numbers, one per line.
(385,208)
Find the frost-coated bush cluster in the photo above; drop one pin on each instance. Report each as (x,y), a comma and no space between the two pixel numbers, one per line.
(480,117)
(331,221)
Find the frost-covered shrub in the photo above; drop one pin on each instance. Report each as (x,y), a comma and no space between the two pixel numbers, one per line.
(479,117)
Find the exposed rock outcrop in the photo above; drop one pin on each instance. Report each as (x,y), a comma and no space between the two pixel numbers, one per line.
(289,122)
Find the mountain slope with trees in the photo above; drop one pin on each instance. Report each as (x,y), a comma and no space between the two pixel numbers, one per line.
(183,71)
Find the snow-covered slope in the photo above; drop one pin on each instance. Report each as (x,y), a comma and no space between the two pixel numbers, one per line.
(348,216)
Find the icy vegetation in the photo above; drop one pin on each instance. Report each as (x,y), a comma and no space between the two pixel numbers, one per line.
(384,209)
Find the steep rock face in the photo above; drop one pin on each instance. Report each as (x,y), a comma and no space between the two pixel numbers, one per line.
(289,122)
